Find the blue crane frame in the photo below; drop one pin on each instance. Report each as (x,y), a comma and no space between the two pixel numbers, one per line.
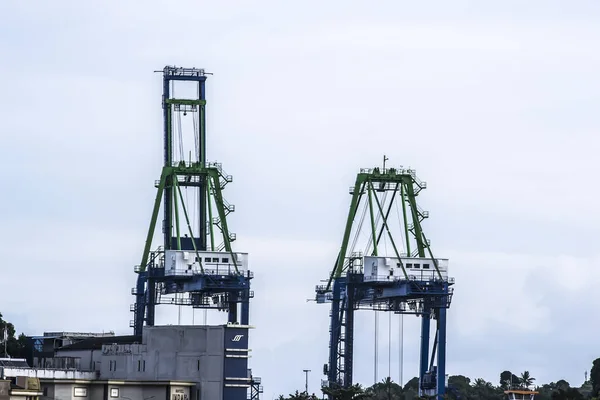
(223,291)
(348,290)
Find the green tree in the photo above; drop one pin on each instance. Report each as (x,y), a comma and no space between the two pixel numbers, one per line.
(16,347)
(567,394)
(595,377)
(586,389)
(387,389)
(526,379)
(299,396)
(354,392)
(483,390)
(508,379)
(461,385)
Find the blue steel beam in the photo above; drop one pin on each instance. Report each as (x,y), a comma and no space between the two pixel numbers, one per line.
(441,367)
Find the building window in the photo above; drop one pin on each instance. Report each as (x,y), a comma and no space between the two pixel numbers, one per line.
(198,365)
(114,392)
(144,365)
(425,266)
(113,365)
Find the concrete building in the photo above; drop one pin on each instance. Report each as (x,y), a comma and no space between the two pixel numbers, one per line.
(168,362)
(19,387)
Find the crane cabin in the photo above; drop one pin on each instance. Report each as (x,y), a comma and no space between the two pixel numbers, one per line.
(376,268)
(185,262)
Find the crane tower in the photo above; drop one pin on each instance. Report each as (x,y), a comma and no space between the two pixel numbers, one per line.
(407,279)
(195,262)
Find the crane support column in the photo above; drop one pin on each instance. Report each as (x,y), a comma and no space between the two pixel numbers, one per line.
(425,332)
(441,369)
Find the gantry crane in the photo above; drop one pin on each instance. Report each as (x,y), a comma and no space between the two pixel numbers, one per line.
(406,280)
(196,259)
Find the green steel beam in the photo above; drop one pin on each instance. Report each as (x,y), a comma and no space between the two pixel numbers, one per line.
(202,133)
(176,205)
(221,211)
(373,227)
(405,182)
(187,220)
(387,213)
(169,175)
(390,235)
(159,193)
(210,223)
(337,271)
(403,195)
(415,218)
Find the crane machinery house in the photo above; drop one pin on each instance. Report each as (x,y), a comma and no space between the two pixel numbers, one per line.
(184,262)
(417,268)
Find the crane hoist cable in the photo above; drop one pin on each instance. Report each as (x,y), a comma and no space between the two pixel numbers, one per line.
(389,345)
(358,229)
(376,358)
(377,218)
(401,226)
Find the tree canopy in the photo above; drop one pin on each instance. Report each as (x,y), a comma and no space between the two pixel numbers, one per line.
(464,388)
(16,347)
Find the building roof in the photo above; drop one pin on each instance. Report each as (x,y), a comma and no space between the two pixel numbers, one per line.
(14,362)
(97,342)
(520,391)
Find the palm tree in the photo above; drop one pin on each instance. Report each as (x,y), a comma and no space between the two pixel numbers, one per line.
(298,396)
(387,389)
(354,392)
(526,379)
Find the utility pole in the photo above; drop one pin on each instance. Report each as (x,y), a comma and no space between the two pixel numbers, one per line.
(306,371)
(5,341)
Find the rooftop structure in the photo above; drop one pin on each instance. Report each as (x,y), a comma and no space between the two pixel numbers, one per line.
(520,394)
(205,362)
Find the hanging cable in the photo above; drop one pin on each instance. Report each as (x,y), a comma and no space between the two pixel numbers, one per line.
(401,351)
(358,228)
(390,345)
(376,361)
(180,137)
(196,137)
(195,191)
(377,218)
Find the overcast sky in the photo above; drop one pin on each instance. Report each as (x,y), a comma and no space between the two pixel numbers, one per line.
(493,103)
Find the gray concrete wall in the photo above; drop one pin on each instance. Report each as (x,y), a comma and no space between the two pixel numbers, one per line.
(96,392)
(90,359)
(167,353)
(183,353)
(103,391)
(4,389)
(66,391)
(139,392)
